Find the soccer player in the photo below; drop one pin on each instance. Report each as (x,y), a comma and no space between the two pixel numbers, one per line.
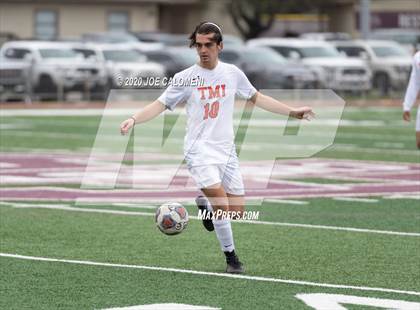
(411,94)
(209,147)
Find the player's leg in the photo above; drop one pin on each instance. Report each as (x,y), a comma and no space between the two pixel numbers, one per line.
(205,177)
(236,203)
(222,225)
(205,211)
(208,179)
(234,186)
(219,201)
(217,197)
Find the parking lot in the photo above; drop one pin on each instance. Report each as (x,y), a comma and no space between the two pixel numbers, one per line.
(87,68)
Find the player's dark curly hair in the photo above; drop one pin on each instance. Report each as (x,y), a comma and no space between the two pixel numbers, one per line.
(206,28)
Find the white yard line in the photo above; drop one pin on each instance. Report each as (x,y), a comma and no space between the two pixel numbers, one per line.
(386,144)
(360,149)
(85,153)
(68,208)
(292,202)
(61,112)
(248,146)
(214,274)
(187,198)
(121,204)
(360,230)
(133,205)
(119,212)
(178,190)
(96,191)
(75,136)
(261,118)
(255,130)
(402,196)
(356,199)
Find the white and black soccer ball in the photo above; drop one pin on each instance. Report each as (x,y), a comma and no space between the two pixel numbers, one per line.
(171,218)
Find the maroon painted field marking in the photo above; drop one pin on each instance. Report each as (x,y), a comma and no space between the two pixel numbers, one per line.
(33,170)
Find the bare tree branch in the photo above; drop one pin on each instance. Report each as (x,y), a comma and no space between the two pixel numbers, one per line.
(248,16)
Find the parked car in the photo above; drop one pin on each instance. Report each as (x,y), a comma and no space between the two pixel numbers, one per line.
(172,39)
(409,38)
(119,62)
(119,38)
(168,39)
(389,61)
(267,69)
(230,40)
(14,81)
(174,59)
(54,68)
(326,36)
(333,70)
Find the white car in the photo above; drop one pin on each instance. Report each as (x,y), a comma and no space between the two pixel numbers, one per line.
(326,36)
(389,61)
(120,63)
(408,38)
(14,81)
(128,39)
(333,70)
(54,68)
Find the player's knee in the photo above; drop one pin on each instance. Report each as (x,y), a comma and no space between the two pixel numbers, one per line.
(219,203)
(236,208)
(237,215)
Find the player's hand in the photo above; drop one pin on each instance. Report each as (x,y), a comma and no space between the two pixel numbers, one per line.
(303,113)
(126,126)
(406,116)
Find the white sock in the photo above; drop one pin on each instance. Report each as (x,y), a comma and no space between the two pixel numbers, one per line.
(224,234)
(209,207)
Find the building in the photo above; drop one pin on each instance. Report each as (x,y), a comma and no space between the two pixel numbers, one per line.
(394,14)
(48,19)
(343,16)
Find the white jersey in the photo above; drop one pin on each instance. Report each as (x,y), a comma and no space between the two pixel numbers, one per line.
(209,135)
(413,85)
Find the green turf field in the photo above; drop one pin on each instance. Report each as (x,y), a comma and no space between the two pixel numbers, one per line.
(370,134)
(113,256)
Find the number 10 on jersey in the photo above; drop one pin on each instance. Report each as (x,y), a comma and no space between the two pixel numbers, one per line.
(211,110)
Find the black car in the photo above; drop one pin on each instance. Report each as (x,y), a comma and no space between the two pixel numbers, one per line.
(174,59)
(168,39)
(267,69)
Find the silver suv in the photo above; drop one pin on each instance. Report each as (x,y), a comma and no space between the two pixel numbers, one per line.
(334,70)
(120,62)
(54,68)
(389,61)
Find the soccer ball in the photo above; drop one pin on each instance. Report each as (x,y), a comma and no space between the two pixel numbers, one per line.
(171,218)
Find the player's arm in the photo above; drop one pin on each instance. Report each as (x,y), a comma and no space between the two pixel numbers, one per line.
(149,112)
(272,105)
(413,89)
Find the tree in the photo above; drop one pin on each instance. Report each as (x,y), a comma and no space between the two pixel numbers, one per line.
(252,17)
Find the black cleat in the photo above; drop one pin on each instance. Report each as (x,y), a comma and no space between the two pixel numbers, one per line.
(234,265)
(201,202)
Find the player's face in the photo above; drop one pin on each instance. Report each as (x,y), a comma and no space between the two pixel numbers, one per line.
(207,49)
